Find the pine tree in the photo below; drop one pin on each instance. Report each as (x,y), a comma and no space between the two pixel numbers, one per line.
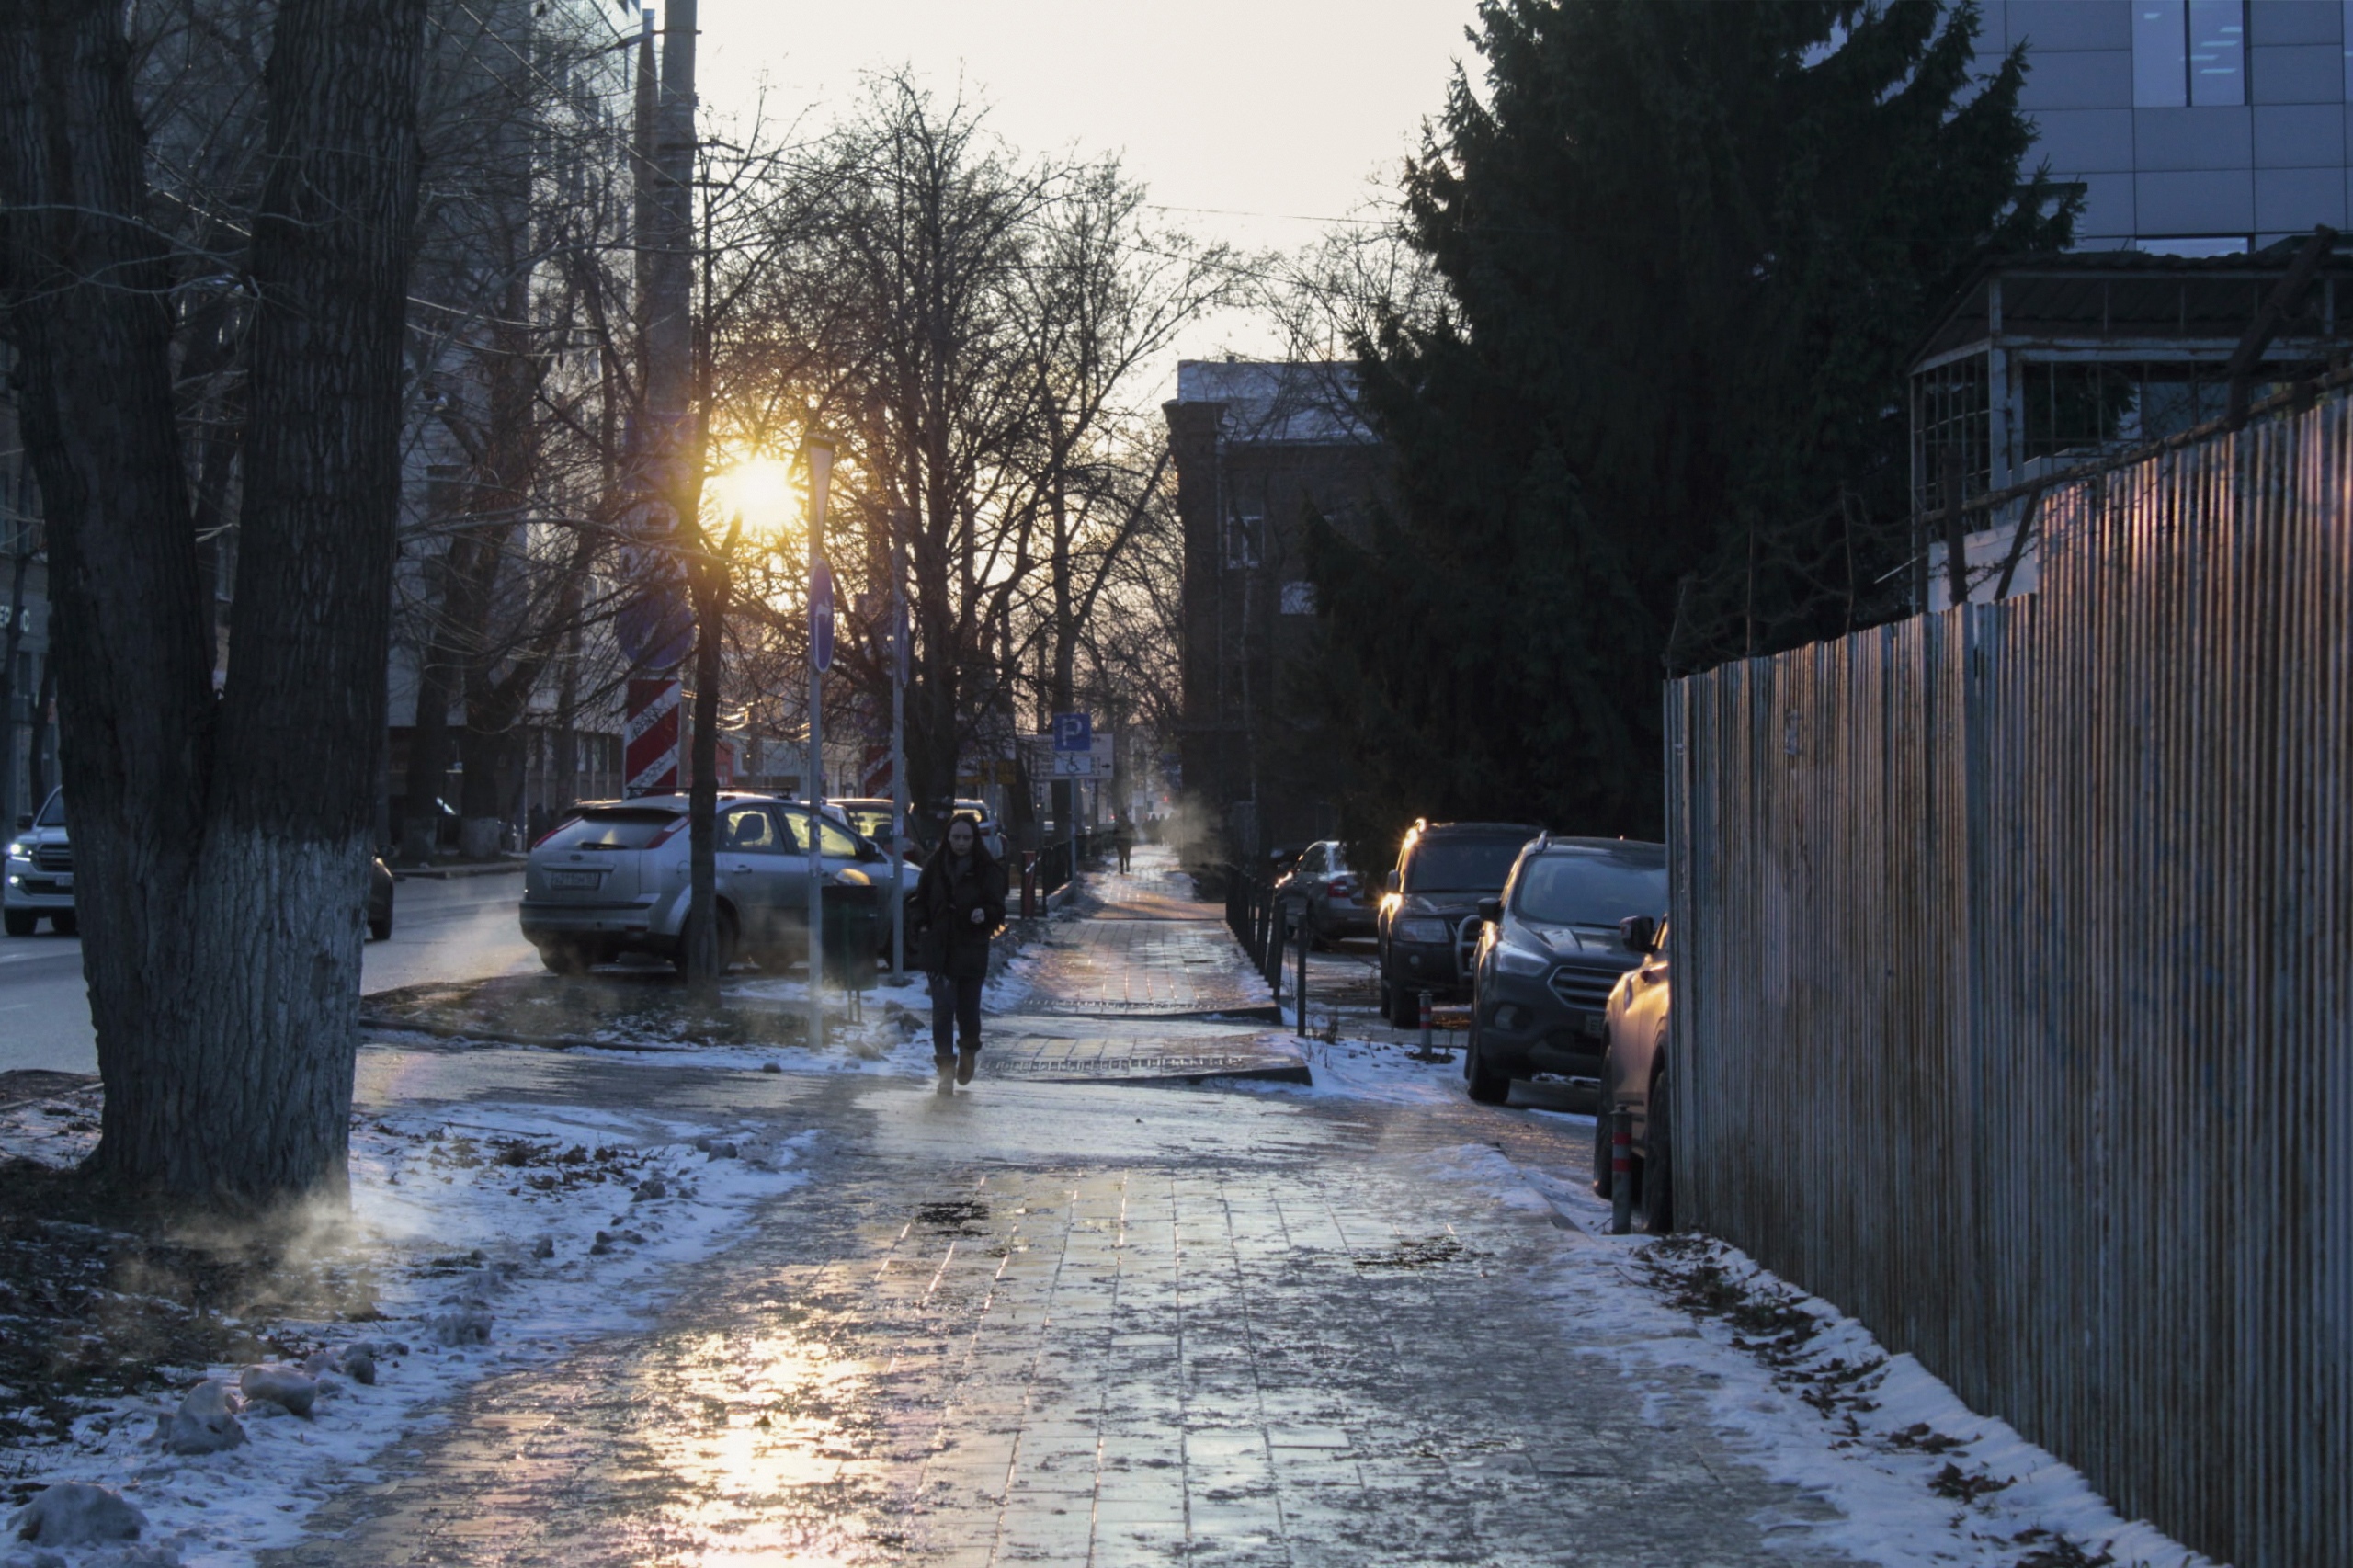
(1686,248)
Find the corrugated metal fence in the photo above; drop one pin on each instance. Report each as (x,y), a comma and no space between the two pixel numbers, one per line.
(2013,985)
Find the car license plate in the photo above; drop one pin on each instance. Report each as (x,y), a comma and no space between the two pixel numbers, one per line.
(573,878)
(1593,1024)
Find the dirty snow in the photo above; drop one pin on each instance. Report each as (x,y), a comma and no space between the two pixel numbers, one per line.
(563,1223)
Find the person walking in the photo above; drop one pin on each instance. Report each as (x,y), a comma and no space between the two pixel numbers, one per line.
(1124,835)
(960,904)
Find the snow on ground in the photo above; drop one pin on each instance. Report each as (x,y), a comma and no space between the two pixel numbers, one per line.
(562,1222)
(1804,1392)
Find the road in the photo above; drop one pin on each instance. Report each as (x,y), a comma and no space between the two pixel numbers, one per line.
(460,930)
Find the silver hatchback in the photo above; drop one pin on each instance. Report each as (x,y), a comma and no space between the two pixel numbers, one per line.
(613,879)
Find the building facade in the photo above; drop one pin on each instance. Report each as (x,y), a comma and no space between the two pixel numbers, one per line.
(1260,448)
(2194,127)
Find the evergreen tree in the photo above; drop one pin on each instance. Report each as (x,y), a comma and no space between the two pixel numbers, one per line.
(1686,247)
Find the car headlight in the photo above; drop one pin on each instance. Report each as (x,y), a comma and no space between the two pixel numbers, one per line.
(1423,931)
(1513,960)
(18,850)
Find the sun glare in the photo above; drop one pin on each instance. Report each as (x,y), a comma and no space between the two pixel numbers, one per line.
(762,490)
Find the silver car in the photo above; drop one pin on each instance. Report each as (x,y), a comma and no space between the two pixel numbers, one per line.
(613,879)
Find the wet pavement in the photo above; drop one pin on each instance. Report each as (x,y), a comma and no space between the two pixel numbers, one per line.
(1085,1322)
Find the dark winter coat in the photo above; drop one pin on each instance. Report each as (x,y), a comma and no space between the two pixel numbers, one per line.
(951,943)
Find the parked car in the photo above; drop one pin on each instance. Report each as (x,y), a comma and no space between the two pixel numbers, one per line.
(39,872)
(40,877)
(613,879)
(1634,1076)
(871,818)
(1427,924)
(1325,896)
(1550,950)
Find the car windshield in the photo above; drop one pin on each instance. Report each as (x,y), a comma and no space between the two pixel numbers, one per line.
(1468,865)
(621,829)
(1596,887)
(53,813)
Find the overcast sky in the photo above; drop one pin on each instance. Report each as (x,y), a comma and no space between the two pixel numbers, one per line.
(1262,118)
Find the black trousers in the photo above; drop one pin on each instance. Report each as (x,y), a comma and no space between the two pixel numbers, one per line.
(955,1010)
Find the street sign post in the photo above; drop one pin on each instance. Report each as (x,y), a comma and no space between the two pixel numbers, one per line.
(821,617)
(1073,759)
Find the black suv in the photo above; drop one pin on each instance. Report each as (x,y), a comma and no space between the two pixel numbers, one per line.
(1428,926)
(1551,951)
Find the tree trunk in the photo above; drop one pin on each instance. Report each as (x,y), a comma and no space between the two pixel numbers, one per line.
(221,848)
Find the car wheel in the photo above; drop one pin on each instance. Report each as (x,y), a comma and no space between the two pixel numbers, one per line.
(1404,1007)
(66,925)
(726,944)
(562,957)
(20,922)
(381,930)
(1487,1087)
(1658,1160)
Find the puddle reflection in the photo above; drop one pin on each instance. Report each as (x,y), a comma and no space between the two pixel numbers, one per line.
(770,1453)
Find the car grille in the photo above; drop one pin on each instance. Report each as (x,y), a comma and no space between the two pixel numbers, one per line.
(1585,988)
(54,856)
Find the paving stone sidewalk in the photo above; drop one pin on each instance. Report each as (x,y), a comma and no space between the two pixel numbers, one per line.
(1146,948)
(1088,1324)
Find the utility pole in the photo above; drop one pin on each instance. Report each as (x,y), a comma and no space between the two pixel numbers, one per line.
(818,453)
(899,525)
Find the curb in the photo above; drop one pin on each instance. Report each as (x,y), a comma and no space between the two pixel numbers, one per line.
(451,873)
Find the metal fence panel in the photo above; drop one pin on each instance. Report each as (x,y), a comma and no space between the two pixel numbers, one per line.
(2014,975)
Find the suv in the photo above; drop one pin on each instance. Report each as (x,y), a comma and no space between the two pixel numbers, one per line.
(1429,925)
(1551,952)
(39,872)
(614,878)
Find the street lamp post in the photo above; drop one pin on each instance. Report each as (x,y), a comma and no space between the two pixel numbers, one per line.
(899,524)
(817,453)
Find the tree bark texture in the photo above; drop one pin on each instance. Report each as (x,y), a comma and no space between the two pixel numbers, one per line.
(220,846)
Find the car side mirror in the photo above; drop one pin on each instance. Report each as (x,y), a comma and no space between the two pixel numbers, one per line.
(1490,910)
(1641,932)
(1393,883)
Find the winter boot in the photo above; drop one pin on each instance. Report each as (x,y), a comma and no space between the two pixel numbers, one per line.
(966,1060)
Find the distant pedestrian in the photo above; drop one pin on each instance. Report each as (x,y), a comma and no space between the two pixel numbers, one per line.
(1124,835)
(960,904)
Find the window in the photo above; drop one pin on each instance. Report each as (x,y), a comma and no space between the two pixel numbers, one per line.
(1242,536)
(750,831)
(2189,53)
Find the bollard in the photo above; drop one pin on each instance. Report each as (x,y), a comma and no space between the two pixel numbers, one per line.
(1299,990)
(1621,1171)
(1029,884)
(1425,1026)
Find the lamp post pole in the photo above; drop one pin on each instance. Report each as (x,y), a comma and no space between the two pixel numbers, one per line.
(898,740)
(818,454)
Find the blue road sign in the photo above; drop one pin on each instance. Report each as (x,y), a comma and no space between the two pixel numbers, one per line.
(821,618)
(1073,732)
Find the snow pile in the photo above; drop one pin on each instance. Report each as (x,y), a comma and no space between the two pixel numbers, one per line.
(498,1238)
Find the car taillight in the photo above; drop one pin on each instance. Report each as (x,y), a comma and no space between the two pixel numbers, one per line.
(1344,887)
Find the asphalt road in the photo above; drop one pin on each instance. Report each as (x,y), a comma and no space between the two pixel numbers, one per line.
(459,929)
